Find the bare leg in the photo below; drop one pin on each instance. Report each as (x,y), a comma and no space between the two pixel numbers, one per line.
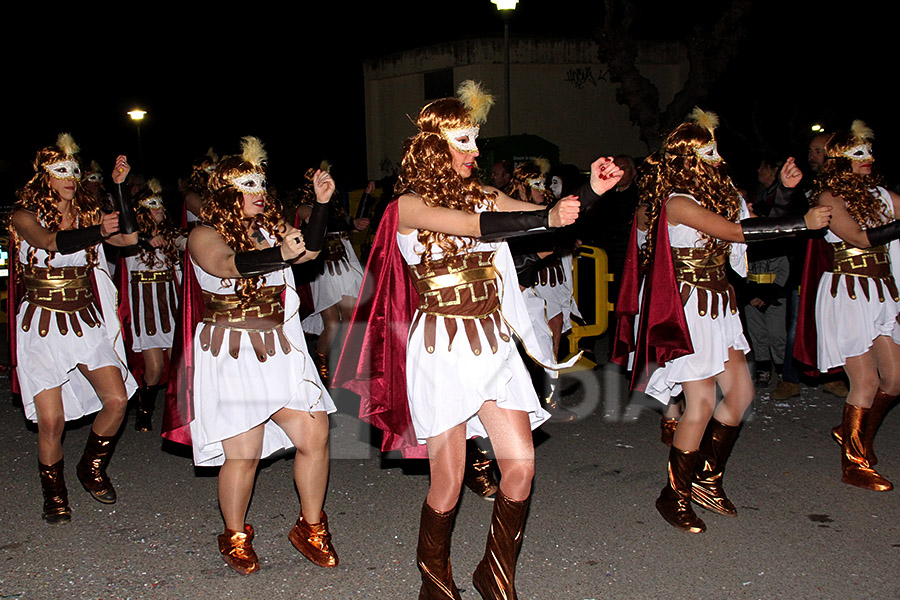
(154,359)
(699,404)
(107,382)
(331,321)
(556,327)
(510,434)
(309,434)
(51,422)
(446,460)
(737,389)
(237,475)
(862,371)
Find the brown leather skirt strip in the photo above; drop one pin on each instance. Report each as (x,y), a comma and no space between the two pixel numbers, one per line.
(147,307)
(162,300)
(136,303)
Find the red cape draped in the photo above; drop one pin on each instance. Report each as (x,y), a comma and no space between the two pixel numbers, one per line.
(179,411)
(818,260)
(373,359)
(662,333)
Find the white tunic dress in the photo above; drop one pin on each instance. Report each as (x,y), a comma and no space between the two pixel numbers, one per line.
(157,337)
(448,386)
(232,396)
(328,288)
(50,361)
(847,327)
(711,338)
(559,297)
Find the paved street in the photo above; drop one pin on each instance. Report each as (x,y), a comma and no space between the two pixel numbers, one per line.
(593,531)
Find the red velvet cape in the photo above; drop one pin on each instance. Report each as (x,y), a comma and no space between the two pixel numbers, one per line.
(178,410)
(373,359)
(662,333)
(818,260)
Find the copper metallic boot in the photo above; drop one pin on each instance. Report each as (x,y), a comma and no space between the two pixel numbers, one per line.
(91,469)
(495,575)
(237,550)
(881,406)
(479,473)
(707,490)
(313,540)
(56,498)
(143,420)
(855,465)
(667,430)
(674,502)
(321,361)
(433,555)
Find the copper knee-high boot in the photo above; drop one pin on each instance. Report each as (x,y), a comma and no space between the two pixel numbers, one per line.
(91,469)
(56,497)
(854,463)
(881,406)
(495,575)
(667,428)
(433,555)
(143,420)
(674,502)
(707,490)
(479,473)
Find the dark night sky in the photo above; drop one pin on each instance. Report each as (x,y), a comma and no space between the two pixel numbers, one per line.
(293,77)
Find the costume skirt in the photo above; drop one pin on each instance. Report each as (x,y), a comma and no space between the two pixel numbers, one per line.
(328,288)
(711,339)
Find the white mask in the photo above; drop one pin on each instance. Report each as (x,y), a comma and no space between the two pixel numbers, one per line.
(251,183)
(64,169)
(467,143)
(709,153)
(860,153)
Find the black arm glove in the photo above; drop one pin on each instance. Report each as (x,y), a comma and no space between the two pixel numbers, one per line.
(69,241)
(883,234)
(757,229)
(499,225)
(127,217)
(587,196)
(314,233)
(259,262)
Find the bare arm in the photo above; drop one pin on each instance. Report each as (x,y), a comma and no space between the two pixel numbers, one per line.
(214,256)
(842,224)
(193,202)
(38,236)
(505,203)
(415,214)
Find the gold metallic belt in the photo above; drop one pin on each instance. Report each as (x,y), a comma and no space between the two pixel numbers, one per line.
(65,292)
(704,270)
(862,265)
(152,276)
(459,287)
(262,321)
(761,277)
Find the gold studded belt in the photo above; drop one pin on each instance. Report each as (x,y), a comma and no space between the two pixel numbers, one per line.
(761,277)
(262,321)
(65,291)
(703,270)
(459,287)
(862,265)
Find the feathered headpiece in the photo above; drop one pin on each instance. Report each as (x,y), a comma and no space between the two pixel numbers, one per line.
(151,196)
(475,98)
(855,144)
(245,172)
(252,151)
(59,161)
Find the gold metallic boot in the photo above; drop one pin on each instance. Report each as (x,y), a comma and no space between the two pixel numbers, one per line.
(707,490)
(313,540)
(237,550)
(56,497)
(479,472)
(881,406)
(495,575)
(91,469)
(433,555)
(143,420)
(674,502)
(855,465)
(667,430)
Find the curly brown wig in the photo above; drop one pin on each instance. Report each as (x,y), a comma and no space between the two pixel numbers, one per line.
(151,228)
(222,211)
(426,170)
(38,197)
(677,169)
(857,191)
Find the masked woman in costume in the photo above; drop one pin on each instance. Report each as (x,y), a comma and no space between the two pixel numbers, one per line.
(153,276)
(696,222)
(856,306)
(66,339)
(338,275)
(195,188)
(464,376)
(255,389)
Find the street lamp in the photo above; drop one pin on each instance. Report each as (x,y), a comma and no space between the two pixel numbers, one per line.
(137,115)
(506,8)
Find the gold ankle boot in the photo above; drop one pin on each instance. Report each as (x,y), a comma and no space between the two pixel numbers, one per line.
(237,550)
(56,497)
(313,540)
(91,469)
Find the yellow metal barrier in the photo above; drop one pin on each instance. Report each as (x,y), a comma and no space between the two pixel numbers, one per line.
(596,261)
